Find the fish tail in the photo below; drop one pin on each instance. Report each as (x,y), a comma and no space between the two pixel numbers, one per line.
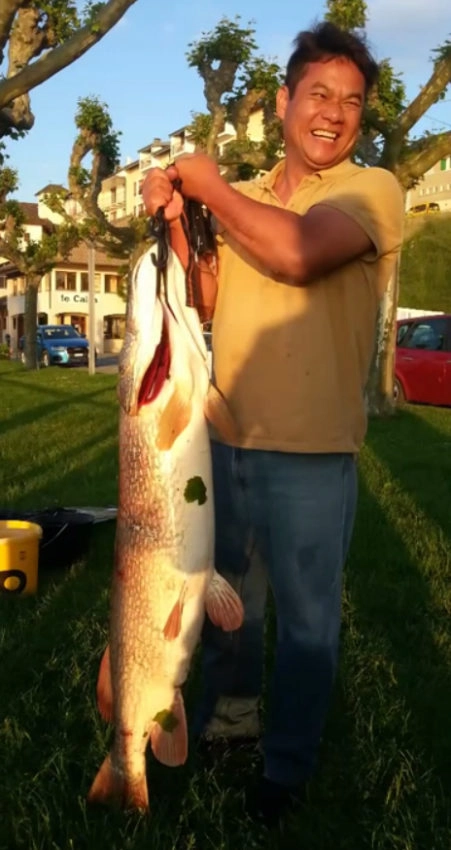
(113,787)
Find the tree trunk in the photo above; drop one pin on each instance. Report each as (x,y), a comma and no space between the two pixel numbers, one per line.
(380,384)
(30,321)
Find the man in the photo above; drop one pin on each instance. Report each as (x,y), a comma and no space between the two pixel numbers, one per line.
(305,253)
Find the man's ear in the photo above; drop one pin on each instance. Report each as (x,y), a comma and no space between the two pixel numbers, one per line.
(282,98)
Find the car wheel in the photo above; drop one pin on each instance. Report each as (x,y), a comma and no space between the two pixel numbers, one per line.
(45,359)
(399,396)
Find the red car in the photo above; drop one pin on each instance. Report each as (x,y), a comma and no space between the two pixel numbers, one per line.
(423,360)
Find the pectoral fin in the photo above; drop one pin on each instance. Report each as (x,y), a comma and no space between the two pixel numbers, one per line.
(104,688)
(218,414)
(174,621)
(169,734)
(223,605)
(174,419)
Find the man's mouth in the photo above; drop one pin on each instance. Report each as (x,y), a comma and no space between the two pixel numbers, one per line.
(325,134)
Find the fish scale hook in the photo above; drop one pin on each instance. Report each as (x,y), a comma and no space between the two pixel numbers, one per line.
(158,228)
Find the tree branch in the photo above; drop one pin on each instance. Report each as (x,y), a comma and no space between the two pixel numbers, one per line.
(422,155)
(61,56)
(427,96)
(8,9)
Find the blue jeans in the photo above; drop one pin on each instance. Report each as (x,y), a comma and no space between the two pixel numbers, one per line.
(287,519)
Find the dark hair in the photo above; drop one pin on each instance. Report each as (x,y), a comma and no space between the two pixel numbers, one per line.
(323,42)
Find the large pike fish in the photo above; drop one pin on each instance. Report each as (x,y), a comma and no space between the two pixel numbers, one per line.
(164,578)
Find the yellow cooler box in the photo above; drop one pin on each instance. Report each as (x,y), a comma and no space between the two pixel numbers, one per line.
(19,556)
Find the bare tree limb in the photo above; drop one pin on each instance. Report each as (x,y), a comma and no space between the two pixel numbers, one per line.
(427,96)
(59,57)
(422,155)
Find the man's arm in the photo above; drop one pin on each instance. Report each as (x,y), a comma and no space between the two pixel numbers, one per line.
(292,248)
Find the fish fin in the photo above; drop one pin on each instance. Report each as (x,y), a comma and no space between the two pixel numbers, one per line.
(217,412)
(104,688)
(169,734)
(174,621)
(110,786)
(174,419)
(223,605)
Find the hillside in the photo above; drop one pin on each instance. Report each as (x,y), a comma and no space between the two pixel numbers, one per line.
(425,281)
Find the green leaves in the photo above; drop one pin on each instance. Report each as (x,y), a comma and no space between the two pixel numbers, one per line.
(347,14)
(227,42)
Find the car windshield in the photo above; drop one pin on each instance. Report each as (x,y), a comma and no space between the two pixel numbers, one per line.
(60,332)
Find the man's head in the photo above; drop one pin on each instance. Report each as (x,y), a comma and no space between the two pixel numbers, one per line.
(324,42)
(328,78)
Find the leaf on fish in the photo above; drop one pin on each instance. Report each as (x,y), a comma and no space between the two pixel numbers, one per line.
(195,490)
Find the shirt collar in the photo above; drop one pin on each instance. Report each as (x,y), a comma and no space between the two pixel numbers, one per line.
(268,180)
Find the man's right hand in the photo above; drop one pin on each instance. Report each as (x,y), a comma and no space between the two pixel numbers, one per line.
(158,191)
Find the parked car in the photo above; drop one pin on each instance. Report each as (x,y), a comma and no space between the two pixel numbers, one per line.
(421,209)
(423,360)
(60,344)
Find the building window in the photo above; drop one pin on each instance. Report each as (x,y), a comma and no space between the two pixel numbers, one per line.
(66,280)
(84,278)
(2,281)
(111,283)
(114,327)
(443,165)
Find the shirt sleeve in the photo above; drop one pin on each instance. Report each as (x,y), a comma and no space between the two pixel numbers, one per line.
(374,199)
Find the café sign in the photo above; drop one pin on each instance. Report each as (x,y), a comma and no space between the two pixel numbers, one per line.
(75,298)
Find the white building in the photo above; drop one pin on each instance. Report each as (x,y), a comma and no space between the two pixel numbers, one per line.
(63,292)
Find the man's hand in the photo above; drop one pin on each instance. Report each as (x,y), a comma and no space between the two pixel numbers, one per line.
(158,191)
(199,176)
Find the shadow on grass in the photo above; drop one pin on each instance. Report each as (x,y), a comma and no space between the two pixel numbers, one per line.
(419,458)
(387,749)
(61,399)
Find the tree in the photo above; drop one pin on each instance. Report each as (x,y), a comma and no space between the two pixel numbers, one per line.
(236,82)
(33,259)
(41,37)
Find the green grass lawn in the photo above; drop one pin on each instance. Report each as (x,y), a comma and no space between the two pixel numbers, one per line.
(384,779)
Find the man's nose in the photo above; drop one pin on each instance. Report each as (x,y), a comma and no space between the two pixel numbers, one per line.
(333,110)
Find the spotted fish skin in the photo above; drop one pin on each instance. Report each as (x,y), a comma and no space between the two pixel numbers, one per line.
(164,578)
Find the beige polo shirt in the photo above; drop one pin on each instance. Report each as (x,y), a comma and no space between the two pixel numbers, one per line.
(292,361)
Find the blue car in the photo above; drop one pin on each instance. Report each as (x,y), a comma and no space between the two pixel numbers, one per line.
(58,344)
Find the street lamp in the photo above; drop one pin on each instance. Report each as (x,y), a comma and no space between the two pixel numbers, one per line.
(74,209)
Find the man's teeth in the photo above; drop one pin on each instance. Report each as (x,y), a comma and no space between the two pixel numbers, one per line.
(324,134)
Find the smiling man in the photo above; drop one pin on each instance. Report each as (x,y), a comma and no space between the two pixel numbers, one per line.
(305,253)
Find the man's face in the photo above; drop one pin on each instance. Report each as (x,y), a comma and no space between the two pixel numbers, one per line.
(321,121)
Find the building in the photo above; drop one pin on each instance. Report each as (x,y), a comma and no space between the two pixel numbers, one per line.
(435,185)
(63,292)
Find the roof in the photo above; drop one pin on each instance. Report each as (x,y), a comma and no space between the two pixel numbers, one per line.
(51,187)
(30,211)
(78,257)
